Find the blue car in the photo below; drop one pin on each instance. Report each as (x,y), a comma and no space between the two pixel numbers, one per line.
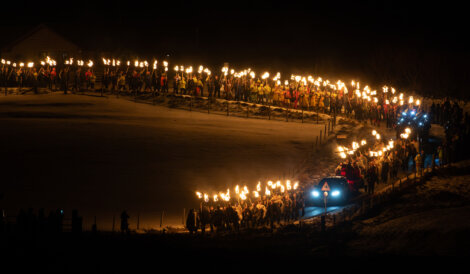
(339,193)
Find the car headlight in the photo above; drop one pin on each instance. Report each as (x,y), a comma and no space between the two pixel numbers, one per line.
(315,194)
(335,193)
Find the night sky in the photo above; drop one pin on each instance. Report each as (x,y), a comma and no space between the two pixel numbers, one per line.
(340,39)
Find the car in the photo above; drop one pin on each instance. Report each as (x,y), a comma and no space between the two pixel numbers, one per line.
(339,194)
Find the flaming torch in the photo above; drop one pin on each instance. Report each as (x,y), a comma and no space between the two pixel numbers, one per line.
(288,185)
(296,185)
(267,192)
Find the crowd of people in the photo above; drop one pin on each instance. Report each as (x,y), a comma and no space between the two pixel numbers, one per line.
(299,92)
(414,153)
(267,211)
(456,124)
(364,170)
(361,169)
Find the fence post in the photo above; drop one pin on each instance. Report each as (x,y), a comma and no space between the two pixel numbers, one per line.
(209,106)
(190,103)
(228,110)
(247,111)
(269,112)
(287,115)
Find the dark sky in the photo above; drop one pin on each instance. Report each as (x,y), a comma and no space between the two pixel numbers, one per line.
(280,34)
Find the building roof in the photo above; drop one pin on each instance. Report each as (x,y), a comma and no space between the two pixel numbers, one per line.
(23,35)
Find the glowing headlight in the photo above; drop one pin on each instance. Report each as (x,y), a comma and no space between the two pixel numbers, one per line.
(315,193)
(335,193)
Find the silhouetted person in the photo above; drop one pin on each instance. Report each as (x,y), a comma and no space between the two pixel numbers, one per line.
(59,220)
(2,221)
(124,222)
(42,221)
(51,220)
(192,221)
(372,177)
(31,221)
(204,218)
(77,222)
(21,221)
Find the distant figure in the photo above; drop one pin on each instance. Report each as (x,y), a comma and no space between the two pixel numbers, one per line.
(76,222)
(21,221)
(59,220)
(204,218)
(419,163)
(124,222)
(371,178)
(2,221)
(42,221)
(192,221)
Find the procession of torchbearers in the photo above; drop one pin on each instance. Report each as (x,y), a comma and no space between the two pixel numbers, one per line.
(364,164)
(268,205)
(306,92)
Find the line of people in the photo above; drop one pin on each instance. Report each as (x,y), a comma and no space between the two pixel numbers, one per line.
(130,80)
(268,211)
(28,223)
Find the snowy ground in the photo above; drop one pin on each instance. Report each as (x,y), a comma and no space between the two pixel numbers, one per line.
(431,219)
(103,155)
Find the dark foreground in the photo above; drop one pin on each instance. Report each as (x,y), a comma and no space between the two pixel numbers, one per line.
(111,253)
(423,227)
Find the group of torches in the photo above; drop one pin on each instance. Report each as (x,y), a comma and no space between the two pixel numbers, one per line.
(345,151)
(242,193)
(406,134)
(366,93)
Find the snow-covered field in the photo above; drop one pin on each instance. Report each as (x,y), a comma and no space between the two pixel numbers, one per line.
(103,155)
(431,219)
